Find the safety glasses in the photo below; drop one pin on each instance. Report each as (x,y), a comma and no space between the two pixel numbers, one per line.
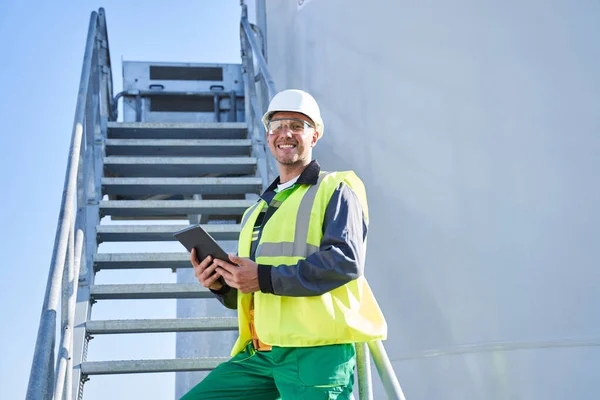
(295,125)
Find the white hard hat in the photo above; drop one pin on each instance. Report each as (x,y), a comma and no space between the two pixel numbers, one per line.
(294,100)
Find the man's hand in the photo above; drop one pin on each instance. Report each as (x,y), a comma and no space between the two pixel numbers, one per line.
(206,272)
(243,277)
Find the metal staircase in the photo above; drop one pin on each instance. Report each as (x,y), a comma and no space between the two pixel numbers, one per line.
(172,160)
(195,171)
(192,155)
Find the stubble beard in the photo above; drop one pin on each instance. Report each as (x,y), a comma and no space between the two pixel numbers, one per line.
(291,161)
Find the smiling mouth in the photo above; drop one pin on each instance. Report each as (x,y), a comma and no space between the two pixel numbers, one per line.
(286,146)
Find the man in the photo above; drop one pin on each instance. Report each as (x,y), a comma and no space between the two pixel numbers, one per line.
(297,280)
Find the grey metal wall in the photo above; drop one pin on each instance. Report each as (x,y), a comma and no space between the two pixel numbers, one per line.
(475,126)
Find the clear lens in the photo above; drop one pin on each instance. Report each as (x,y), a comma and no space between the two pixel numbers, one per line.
(295,125)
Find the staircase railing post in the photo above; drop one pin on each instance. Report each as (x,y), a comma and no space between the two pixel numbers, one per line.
(363,368)
(63,351)
(386,371)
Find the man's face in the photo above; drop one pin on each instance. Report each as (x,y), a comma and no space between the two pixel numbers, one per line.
(289,146)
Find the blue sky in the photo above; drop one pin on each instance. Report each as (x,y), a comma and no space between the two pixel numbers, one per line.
(41,51)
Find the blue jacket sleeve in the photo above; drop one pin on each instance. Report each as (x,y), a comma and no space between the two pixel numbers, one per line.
(340,257)
(227,296)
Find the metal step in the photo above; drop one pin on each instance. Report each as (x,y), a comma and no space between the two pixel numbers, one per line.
(178,166)
(141,260)
(160,233)
(149,366)
(162,325)
(178,147)
(146,208)
(150,291)
(177,130)
(148,186)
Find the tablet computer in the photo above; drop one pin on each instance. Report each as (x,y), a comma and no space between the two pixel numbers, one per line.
(194,237)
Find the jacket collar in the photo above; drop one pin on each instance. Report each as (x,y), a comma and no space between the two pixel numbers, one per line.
(309,176)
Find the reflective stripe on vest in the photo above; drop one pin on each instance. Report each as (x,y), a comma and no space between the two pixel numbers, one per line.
(299,247)
(249,213)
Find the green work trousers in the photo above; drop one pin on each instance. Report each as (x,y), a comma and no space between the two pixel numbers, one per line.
(287,373)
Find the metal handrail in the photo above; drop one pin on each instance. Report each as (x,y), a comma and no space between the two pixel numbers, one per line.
(260,58)
(46,382)
(252,50)
(385,370)
(139,94)
(257,98)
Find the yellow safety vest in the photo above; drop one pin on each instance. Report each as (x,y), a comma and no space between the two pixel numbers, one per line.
(348,314)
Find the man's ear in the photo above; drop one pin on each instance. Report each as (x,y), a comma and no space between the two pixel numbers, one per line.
(315,137)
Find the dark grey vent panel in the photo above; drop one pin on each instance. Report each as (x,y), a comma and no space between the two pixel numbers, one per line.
(186,73)
(182,104)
